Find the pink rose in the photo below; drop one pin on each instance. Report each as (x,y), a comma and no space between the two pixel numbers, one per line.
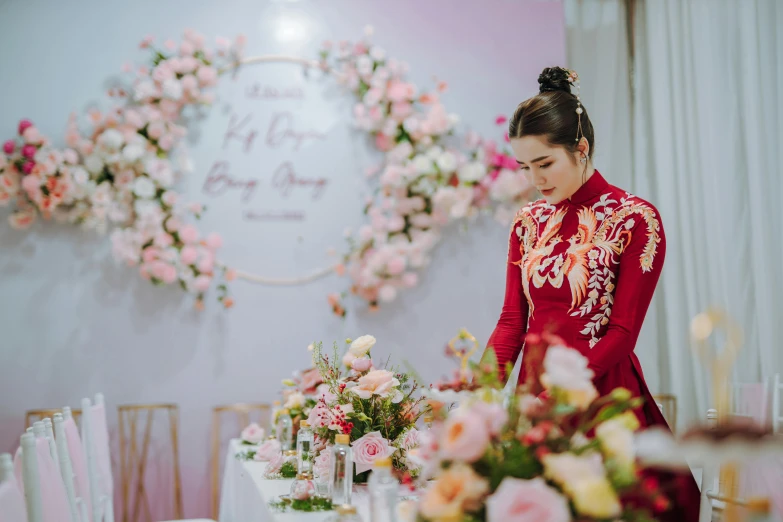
(9,147)
(188,234)
(31,135)
(207,76)
(70,156)
(214,241)
(166,142)
(362,364)
(322,465)
(310,379)
(253,433)
(155,130)
(368,448)
(519,500)
(399,91)
(378,382)
(465,437)
(268,451)
(189,255)
(201,283)
(206,264)
(495,416)
(412,439)
(275,465)
(24,125)
(396,265)
(383,142)
(319,416)
(163,240)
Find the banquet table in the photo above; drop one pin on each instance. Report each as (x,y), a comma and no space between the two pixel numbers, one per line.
(245,493)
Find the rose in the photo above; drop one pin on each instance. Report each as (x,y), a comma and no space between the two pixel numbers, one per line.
(268,451)
(457,490)
(253,433)
(378,382)
(310,379)
(495,416)
(616,438)
(362,364)
(596,498)
(465,437)
(411,439)
(565,369)
(275,465)
(362,345)
(567,469)
(368,448)
(322,465)
(518,500)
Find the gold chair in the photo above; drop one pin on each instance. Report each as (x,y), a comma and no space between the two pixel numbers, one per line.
(133,459)
(668,403)
(32,416)
(242,412)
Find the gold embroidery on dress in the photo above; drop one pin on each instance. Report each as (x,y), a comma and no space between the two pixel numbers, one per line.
(603,233)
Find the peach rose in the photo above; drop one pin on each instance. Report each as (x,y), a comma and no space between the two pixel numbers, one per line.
(465,437)
(253,434)
(378,382)
(457,490)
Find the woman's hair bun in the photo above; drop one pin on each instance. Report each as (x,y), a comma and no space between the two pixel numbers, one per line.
(554,79)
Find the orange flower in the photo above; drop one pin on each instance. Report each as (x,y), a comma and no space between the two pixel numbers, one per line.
(340,269)
(231,274)
(228,302)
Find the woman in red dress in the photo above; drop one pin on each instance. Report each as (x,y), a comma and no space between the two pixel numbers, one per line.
(584,260)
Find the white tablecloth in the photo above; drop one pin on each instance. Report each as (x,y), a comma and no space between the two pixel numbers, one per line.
(246,492)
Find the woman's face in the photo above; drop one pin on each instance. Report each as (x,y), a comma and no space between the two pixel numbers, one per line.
(554,171)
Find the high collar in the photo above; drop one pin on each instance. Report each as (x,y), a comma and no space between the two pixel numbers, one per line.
(592,188)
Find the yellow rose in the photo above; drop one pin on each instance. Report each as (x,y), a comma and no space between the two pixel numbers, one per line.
(567,469)
(616,438)
(595,498)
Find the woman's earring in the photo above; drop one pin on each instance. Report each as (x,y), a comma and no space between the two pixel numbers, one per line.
(584,159)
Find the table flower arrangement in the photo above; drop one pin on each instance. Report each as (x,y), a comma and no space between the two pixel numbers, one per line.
(566,455)
(378,408)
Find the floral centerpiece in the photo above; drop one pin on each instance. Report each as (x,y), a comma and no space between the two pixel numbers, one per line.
(377,407)
(565,455)
(300,394)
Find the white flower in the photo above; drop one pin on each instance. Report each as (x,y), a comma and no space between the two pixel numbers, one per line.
(617,438)
(387,293)
(454,202)
(295,400)
(471,172)
(143,187)
(447,162)
(364,65)
(423,164)
(172,89)
(411,124)
(377,53)
(566,369)
(361,346)
(132,153)
(93,163)
(145,89)
(80,176)
(112,139)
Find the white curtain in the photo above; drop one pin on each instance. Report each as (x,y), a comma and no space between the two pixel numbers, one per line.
(704,144)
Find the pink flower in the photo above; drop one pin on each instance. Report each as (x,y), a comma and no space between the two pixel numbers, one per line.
(201,283)
(188,234)
(24,125)
(21,219)
(500,120)
(163,240)
(214,241)
(368,448)
(207,76)
(495,416)
(465,437)
(383,142)
(31,185)
(396,265)
(206,264)
(28,151)
(268,451)
(275,465)
(9,147)
(310,379)
(457,490)
(410,279)
(155,130)
(196,208)
(319,416)
(189,255)
(253,433)
(166,142)
(31,135)
(362,364)
(70,156)
(189,83)
(322,465)
(378,382)
(28,166)
(400,91)
(519,500)
(348,359)
(146,42)
(412,439)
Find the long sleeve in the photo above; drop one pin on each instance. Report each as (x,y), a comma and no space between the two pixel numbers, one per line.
(508,336)
(640,268)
